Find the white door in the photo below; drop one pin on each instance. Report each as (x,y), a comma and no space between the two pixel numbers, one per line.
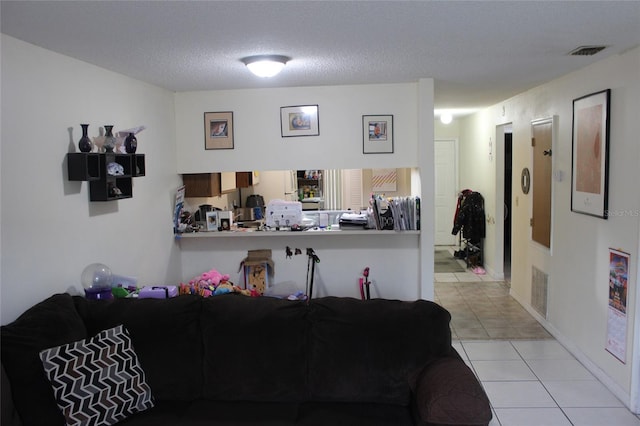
(446,176)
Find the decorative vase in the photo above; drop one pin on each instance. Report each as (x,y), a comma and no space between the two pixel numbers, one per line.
(84,144)
(131,144)
(109,139)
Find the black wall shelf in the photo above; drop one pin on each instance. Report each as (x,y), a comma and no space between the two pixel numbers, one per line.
(92,167)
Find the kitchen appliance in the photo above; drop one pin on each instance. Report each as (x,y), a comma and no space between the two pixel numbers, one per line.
(201,213)
(255,200)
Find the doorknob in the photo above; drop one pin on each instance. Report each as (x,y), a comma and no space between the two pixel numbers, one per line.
(547,152)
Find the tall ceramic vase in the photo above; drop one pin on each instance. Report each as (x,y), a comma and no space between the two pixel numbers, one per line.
(84,144)
(131,144)
(109,139)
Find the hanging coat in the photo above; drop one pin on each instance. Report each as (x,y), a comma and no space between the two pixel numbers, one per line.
(470,218)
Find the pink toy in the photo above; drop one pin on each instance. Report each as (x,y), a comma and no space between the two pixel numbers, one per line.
(208,284)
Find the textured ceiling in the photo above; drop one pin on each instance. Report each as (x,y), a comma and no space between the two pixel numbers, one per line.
(479,53)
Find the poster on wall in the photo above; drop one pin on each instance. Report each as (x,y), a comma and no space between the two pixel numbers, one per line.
(617,309)
(384,180)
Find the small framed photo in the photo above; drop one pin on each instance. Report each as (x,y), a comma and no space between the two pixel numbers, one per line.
(301,120)
(377,134)
(590,155)
(218,130)
(212,221)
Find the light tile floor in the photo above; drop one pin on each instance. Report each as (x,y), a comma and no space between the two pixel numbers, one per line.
(484,309)
(538,382)
(530,378)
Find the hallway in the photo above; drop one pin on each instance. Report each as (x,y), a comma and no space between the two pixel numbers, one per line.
(484,309)
(530,378)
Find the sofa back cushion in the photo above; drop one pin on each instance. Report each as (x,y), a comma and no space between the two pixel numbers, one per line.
(254,348)
(165,334)
(366,350)
(52,322)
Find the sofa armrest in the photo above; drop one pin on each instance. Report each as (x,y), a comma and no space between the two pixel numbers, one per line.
(8,414)
(446,392)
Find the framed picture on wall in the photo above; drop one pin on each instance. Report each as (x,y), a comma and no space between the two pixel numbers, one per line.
(301,120)
(590,154)
(377,134)
(218,130)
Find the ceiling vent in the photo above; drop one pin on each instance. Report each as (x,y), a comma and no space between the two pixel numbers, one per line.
(586,50)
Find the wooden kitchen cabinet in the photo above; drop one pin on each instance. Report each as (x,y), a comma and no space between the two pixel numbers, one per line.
(244,179)
(215,184)
(202,184)
(227,182)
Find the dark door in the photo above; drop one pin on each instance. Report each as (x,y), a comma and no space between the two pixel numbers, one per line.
(508,176)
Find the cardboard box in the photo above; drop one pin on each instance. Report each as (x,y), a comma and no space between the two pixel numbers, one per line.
(257,277)
(258,270)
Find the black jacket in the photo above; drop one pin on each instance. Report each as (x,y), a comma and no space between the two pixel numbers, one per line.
(470,218)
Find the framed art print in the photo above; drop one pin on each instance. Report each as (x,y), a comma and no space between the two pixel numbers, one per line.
(301,120)
(218,130)
(377,134)
(590,154)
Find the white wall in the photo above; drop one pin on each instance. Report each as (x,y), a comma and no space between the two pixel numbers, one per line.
(50,230)
(578,263)
(258,144)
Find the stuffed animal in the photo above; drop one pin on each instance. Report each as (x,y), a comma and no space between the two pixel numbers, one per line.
(211,283)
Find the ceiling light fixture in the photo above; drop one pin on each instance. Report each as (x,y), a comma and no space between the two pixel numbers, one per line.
(265,65)
(446,118)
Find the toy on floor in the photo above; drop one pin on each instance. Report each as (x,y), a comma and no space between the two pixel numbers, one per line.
(212,283)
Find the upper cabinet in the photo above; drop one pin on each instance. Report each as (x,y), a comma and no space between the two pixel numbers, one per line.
(201,184)
(216,184)
(246,179)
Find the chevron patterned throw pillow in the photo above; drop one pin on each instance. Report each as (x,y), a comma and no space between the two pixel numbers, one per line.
(97,381)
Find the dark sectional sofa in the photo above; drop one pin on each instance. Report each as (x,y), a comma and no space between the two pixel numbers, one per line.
(236,360)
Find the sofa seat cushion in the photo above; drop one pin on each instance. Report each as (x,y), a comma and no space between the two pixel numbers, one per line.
(255,348)
(163,413)
(348,414)
(166,336)
(52,322)
(365,350)
(217,413)
(237,413)
(97,381)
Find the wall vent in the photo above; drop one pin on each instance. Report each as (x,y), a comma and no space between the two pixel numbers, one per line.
(586,50)
(539,291)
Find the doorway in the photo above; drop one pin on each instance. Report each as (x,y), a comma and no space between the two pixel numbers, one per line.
(446,188)
(508,207)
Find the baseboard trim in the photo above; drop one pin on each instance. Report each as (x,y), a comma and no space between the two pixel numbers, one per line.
(615,388)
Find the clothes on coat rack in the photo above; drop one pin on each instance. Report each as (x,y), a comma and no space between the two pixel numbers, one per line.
(469,220)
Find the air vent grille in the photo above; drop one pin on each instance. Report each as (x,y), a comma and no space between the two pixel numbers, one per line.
(539,291)
(586,50)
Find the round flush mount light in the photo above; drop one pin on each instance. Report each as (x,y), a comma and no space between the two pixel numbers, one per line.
(265,65)
(446,118)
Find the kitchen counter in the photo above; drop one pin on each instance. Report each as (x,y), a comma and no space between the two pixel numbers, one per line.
(253,233)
